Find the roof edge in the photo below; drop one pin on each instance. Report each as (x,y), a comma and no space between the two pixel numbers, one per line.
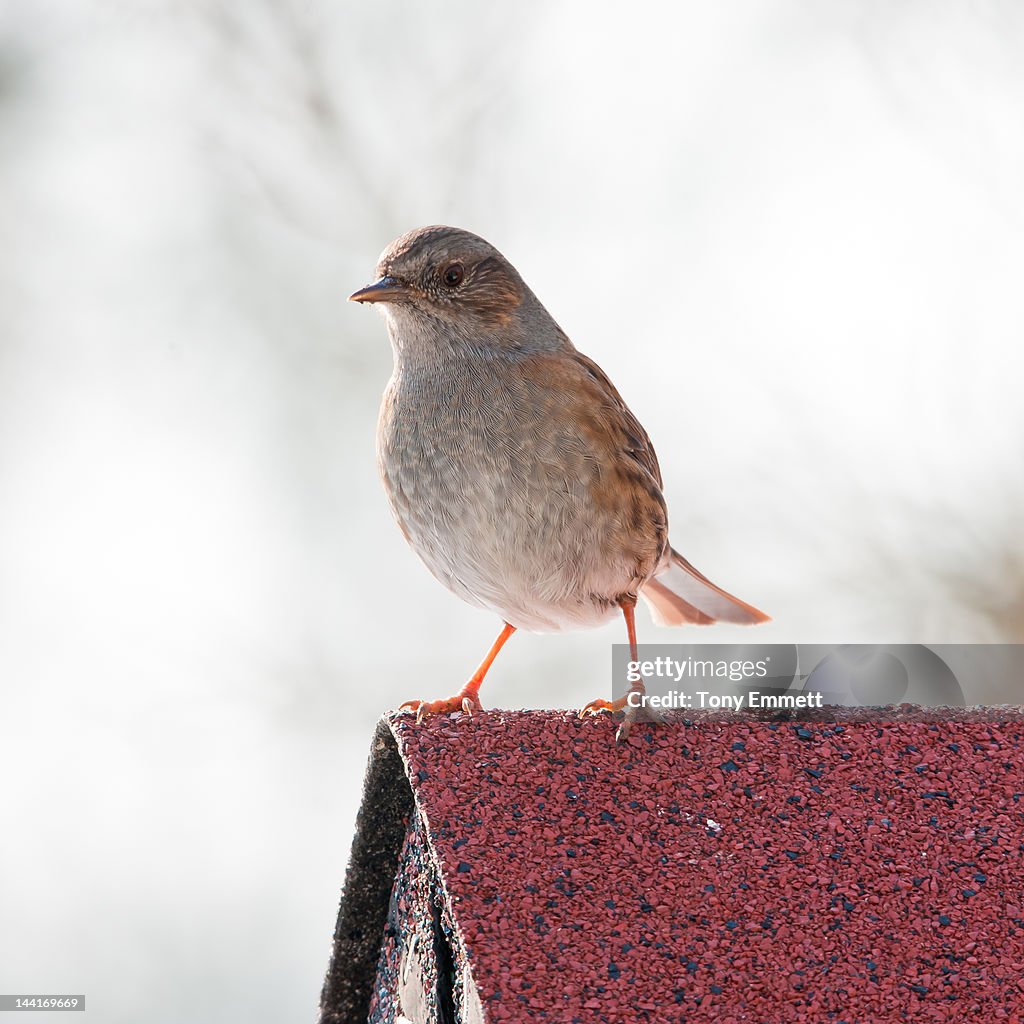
(362,916)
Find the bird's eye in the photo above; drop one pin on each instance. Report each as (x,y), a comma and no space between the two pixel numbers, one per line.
(453,275)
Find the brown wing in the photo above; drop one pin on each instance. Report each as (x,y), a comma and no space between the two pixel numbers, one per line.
(632,438)
(623,478)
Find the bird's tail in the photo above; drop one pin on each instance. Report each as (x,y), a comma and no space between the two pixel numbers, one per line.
(680,595)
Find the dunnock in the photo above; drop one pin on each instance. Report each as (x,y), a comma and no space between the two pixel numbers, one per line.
(513,467)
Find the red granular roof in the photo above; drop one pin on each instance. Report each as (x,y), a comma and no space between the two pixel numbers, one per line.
(726,869)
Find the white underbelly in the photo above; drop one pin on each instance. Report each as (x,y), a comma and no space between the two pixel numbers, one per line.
(487,566)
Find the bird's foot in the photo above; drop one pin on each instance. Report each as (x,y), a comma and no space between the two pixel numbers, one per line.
(631,714)
(634,714)
(599,706)
(468,703)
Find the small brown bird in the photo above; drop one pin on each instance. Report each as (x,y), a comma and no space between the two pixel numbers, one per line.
(513,467)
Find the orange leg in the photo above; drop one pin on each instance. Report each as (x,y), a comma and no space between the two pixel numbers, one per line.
(595,707)
(467,699)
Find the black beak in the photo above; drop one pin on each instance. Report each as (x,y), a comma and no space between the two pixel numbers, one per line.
(387,289)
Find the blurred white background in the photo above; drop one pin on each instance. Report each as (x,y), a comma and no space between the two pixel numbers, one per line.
(792,233)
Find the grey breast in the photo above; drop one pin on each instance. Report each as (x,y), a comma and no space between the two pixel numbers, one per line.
(498,512)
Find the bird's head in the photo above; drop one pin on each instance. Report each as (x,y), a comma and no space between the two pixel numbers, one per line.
(444,279)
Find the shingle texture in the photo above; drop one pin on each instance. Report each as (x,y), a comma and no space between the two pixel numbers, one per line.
(850,867)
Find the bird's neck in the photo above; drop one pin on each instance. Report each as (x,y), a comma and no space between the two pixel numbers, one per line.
(422,343)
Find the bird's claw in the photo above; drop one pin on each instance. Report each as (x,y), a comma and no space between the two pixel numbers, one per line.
(626,724)
(631,713)
(599,706)
(463,702)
